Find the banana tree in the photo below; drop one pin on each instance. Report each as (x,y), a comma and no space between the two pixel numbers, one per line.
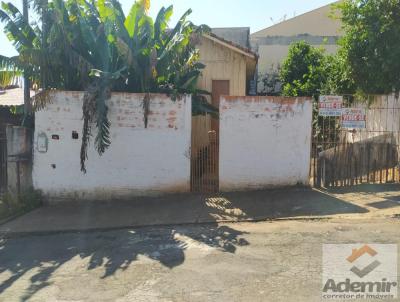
(23,36)
(92,45)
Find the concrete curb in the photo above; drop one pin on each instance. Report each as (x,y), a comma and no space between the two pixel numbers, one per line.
(12,235)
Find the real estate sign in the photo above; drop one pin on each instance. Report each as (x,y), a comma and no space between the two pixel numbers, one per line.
(330,105)
(354,118)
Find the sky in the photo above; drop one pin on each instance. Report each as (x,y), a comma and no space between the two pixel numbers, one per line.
(256,14)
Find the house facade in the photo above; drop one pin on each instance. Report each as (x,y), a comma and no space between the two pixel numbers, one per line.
(230,68)
(226,60)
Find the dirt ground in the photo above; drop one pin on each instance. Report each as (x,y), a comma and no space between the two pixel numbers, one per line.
(265,261)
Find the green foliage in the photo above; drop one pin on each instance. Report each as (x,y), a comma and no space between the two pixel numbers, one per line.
(302,72)
(271,81)
(338,76)
(367,61)
(91,45)
(201,106)
(17,109)
(23,36)
(371,44)
(308,71)
(7,77)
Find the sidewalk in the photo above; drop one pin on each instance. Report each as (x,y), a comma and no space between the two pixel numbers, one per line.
(289,203)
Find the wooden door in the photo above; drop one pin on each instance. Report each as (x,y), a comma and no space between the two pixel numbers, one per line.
(219,87)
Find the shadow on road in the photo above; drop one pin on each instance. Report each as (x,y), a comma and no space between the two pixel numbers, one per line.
(35,259)
(274,204)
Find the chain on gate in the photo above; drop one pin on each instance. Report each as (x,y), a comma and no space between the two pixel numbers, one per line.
(346,154)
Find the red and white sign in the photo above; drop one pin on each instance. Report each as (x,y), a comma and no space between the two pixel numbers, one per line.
(354,118)
(330,105)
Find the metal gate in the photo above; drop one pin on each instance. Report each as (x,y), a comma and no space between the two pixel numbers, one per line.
(3,161)
(348,157)
(205,144)
(204,156)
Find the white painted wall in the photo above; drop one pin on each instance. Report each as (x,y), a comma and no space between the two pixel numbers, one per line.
(264,142)
(139,161)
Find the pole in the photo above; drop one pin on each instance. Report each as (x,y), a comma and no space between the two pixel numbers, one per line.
(27,96)
(45,29)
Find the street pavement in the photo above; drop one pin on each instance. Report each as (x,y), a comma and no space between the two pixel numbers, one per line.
(265,261)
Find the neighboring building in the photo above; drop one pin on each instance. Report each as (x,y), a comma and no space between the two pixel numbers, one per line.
(9,98)
(316,27)
(226,61)
(12,97)
(237,35)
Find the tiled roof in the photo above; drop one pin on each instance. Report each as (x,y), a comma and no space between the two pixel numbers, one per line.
(244,49)
(238,35)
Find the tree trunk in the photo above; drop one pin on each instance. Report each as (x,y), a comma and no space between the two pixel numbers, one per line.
(27,96)
(45,31)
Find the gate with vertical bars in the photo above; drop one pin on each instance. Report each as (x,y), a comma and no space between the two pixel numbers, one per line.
(204,155)
(347,157)
(205,144)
